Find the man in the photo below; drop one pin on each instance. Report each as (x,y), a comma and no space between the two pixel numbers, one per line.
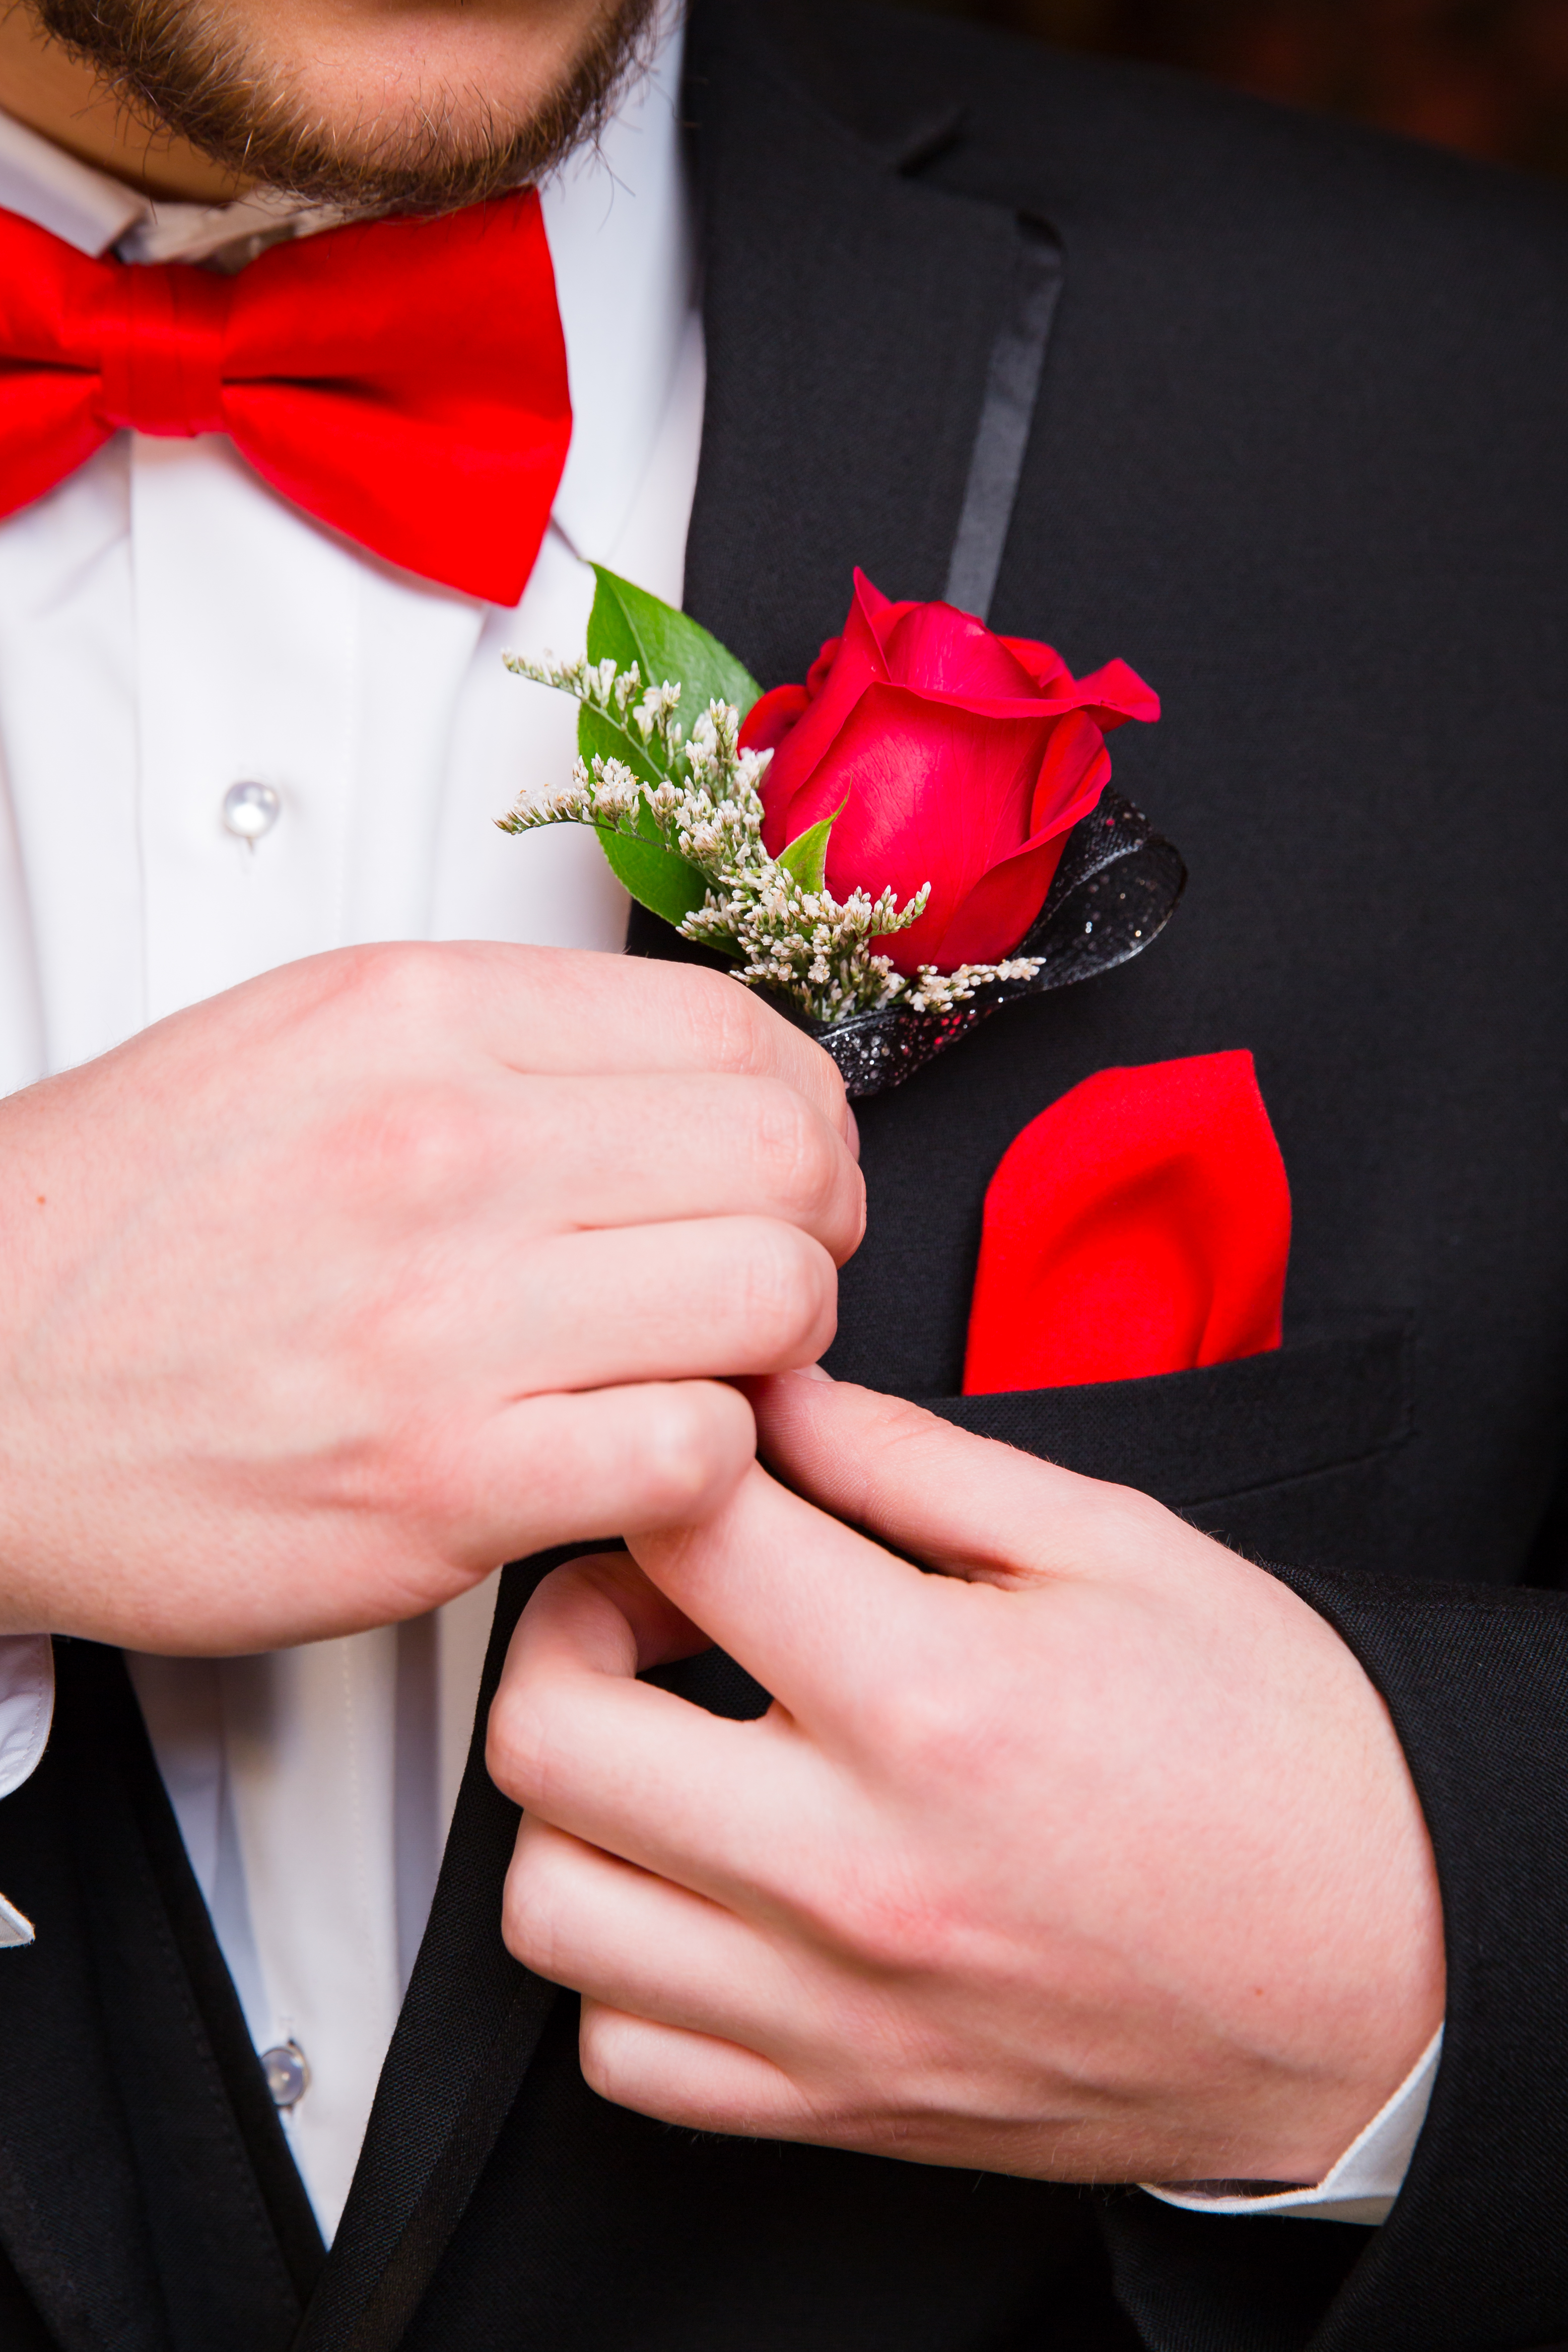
(1103,1857)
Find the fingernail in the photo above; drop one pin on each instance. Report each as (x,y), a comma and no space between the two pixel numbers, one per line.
(853,1130)
(811,1372)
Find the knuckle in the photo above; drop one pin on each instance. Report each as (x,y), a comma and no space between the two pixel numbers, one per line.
(727,1027)
(899,1427)
(785,1286)
(402,982)
(734,1032)
(532,1920)
(799,1158)
(412,1478)
(423,1147)
(686,1434)
(889,1927)
(929,1729)
(893,1432)
(519,1745)
(602,2053)
(1098,1523)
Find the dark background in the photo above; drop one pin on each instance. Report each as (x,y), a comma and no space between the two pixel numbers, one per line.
(1487,76)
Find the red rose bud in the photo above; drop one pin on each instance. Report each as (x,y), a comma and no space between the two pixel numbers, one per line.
(953,756)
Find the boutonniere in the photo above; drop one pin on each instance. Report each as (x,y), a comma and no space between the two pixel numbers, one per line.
(922,831)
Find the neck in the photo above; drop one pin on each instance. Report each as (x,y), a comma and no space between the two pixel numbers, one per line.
(57,94)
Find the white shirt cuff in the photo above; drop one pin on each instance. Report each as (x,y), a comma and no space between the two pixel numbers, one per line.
(1363,2185)
(26,1711)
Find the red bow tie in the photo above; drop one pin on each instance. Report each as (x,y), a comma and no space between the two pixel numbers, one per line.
(402,380)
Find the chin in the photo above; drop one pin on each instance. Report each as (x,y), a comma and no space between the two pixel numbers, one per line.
(497,64)
(365,105)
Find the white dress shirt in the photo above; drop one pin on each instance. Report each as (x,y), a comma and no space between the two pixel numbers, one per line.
(170,626)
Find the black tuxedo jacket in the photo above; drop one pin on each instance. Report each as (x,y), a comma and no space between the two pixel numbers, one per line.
(1299,453)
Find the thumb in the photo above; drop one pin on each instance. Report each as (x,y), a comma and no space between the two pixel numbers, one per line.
(964,1505)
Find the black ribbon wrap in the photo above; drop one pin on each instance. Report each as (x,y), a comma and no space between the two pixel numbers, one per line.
(1114,891)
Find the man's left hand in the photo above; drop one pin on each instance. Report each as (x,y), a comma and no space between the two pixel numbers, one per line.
(1094,1857)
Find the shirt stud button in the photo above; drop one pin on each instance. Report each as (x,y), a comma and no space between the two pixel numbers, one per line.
(288,2075)
(250,810)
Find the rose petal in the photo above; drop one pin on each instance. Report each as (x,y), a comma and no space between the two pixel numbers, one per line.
(1073,772)
(934,796)
(990,921)
(817,676)
(787,796)
(770,719)
(1072,695)
(1116,693)
(948,755)
(942,651)
(869,599)
(993,919)
(1044,663)
(879,614)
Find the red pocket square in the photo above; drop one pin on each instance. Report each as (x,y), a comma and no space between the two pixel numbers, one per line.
(1141,1224)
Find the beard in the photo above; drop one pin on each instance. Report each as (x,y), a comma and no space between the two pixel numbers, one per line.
(185,67)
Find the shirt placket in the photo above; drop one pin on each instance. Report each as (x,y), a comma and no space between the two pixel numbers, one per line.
(245,670)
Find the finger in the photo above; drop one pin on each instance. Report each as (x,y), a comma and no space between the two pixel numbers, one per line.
(727,1809)
(728,1296)
(690,2079)
(826,1620)
(636,1150)
(622,1936)
(571,1010)
(599,1615)
(966,1504)
(560,1469)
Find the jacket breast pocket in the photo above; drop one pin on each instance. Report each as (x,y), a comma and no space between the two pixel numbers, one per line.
(1291,1456)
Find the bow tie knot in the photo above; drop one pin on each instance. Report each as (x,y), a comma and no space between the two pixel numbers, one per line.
(161,349)
(402,381)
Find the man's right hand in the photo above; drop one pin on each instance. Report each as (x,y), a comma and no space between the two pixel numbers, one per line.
(319,1299)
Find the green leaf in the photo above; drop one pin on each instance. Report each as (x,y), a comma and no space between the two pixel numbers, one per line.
(806,857)
(628,625)
(653,875)
(596,733)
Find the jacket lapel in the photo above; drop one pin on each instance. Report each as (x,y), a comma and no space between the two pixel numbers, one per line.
(851,310)
(850,316)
